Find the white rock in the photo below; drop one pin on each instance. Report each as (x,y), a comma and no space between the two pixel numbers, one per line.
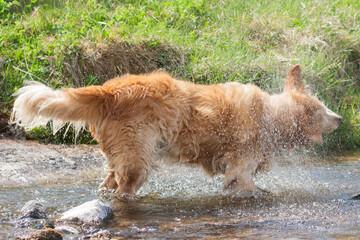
(93,213)
(66,229)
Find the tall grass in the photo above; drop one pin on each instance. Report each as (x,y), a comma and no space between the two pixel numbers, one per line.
(235,40)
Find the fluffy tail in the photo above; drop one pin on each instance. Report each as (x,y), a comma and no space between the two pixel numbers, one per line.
(37,104)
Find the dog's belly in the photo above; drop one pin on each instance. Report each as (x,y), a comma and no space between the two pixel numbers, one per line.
(208,157)
(175,155)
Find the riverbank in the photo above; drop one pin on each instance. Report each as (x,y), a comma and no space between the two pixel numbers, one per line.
(30,162)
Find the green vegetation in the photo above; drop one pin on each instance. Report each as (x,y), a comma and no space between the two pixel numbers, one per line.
(76,43)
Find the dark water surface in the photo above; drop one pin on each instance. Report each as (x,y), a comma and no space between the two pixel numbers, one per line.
(309,200)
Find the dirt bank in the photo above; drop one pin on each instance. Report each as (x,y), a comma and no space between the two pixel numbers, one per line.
(10,131)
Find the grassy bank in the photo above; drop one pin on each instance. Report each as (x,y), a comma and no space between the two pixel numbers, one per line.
(76,43)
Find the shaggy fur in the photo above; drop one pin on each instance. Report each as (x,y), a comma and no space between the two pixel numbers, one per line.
(226,128)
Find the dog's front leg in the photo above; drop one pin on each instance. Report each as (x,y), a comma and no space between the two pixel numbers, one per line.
(109,182)
(238,180)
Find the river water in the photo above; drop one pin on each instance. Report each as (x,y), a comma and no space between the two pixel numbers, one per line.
(309,200)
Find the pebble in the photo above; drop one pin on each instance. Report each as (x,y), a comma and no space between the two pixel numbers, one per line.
(101,235)
(44,234)
(34,209)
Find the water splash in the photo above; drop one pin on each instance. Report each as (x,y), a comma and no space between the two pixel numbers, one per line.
(309,200)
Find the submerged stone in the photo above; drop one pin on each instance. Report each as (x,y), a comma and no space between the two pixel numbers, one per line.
(67,229)
(93,212)
(101,235)
(5,234)
(44,234)
(34,209)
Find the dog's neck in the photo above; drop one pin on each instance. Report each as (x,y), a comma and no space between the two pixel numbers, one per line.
(279,122)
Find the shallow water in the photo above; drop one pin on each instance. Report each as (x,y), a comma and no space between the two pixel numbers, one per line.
(308,200)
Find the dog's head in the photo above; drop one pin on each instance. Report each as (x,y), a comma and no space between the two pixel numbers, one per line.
(309,115)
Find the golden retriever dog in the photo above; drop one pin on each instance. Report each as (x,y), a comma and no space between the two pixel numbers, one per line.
(228,128)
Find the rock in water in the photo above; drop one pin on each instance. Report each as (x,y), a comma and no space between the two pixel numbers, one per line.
(66,229)
(355,197)
(34,209)
(45,234)
(101,235)
(90,213)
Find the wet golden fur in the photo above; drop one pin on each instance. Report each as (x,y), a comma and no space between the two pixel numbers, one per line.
(226,128)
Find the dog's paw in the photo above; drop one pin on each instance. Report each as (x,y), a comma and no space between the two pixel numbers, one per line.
(123,197)
(257,192)
(105,193)
(263,192)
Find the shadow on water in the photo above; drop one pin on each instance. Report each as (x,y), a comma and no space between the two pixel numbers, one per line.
(309,199)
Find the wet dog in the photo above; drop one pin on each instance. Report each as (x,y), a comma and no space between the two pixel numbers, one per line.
(229,128)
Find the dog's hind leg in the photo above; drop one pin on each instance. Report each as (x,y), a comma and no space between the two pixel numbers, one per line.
(130,159)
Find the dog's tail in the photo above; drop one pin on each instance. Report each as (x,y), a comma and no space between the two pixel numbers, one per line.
(37,104)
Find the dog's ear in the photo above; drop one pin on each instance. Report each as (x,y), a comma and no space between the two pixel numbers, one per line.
(293,80)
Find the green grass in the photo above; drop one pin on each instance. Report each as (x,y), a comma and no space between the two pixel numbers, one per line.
(241,40)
